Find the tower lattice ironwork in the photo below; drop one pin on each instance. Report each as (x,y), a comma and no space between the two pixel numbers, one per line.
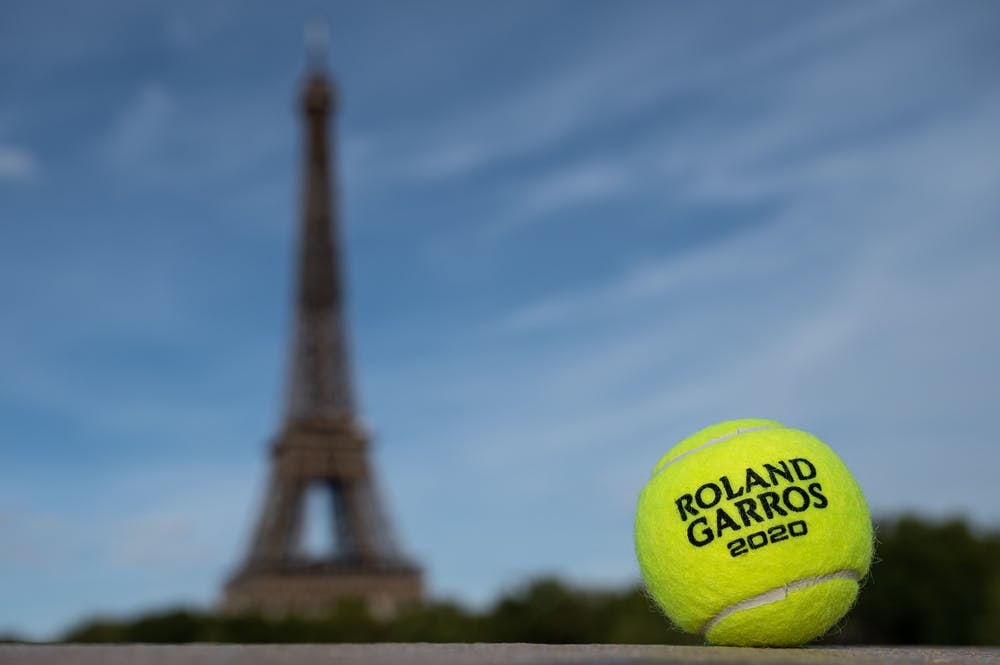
(321,443)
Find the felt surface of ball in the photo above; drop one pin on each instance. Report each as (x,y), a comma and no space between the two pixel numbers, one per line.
(752,533)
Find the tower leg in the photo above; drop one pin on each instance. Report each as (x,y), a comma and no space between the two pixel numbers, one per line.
(353,522)
(280,527)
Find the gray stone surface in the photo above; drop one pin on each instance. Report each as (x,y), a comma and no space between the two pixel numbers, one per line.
(478,654)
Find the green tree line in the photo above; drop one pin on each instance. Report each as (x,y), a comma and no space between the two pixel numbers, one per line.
(932,583)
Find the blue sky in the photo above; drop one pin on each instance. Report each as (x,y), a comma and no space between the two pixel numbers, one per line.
(576,233)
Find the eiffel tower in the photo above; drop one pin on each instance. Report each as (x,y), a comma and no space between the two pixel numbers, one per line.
(321,443)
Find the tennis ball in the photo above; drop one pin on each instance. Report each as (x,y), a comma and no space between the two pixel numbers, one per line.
(751,533)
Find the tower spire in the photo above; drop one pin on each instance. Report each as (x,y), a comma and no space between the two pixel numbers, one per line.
(317,39)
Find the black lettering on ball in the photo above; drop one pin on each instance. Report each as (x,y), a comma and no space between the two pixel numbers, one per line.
(769,501)
(716,495)
(726,485)
(748,510)
(817,491)
(804,469)
(684,506)
(774,472)
(755,480)
(723,521)
(798,528)
(700,537)
(794,491)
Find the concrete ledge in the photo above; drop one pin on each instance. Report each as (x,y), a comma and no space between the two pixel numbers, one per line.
(479,654)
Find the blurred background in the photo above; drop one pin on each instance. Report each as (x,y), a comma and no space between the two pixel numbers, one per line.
(575,233)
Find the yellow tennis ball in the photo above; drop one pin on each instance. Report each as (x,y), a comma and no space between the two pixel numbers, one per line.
(751,533)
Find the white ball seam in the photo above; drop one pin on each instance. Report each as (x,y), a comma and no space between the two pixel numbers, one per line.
(712,442)
(777,594)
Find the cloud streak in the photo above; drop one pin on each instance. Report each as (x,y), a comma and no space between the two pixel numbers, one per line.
(17,164)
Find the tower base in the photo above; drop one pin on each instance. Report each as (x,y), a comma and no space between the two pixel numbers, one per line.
(312,590)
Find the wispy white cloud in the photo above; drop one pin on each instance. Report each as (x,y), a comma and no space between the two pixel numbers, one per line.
(559,191)
(609,82)
(189,25)
(163,139)
(167,518)
(168,540)
(766,316)
(555,103)
(649,281)
(899,208)
(32,540)
(140,129)
(17,164)
(695,157)
(154,530)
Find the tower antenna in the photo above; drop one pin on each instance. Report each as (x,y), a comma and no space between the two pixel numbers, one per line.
(317,37)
